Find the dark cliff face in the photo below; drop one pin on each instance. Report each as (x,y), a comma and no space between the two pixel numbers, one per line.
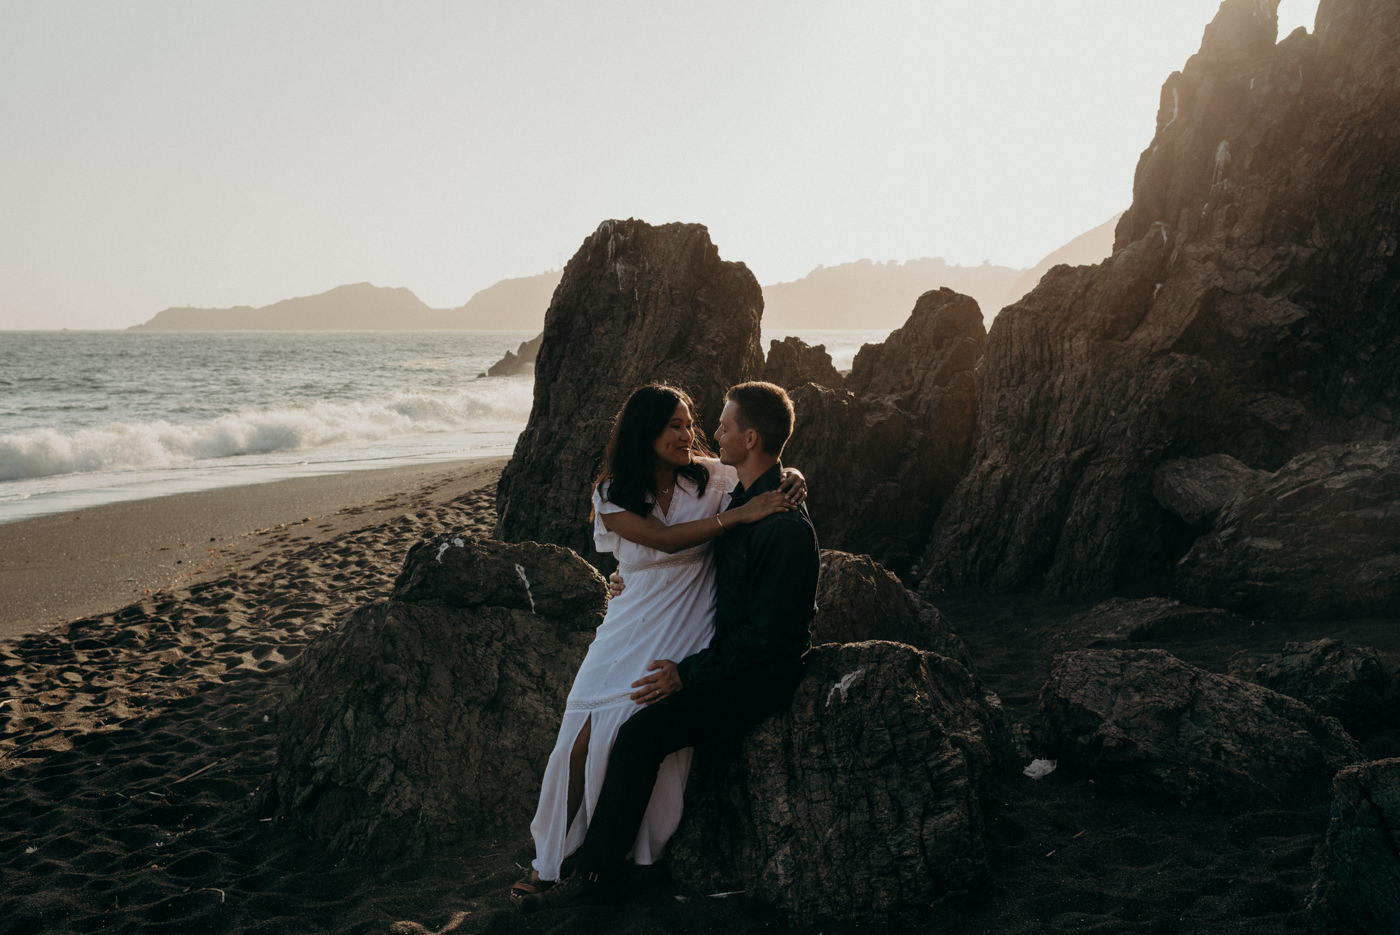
(883,453)
(637,304)
(1250,309)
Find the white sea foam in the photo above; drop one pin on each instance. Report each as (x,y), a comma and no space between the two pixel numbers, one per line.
(160,444)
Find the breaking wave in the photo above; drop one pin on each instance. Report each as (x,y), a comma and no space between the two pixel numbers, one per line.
(161,444)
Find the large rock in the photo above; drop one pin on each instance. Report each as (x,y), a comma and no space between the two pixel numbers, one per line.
(926,364)
(1357,889)
(1357,685)
(792,362)
(860,801)
(637,304)
(1321,538)
(883,454)
(1250,309)
(858,600)
(515,362)
(427,719)
(1197,489)
(1145,720)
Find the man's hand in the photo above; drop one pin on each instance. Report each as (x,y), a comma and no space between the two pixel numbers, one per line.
(663,680)
(614,585)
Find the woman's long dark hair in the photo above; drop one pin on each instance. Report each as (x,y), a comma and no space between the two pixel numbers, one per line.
(629,462)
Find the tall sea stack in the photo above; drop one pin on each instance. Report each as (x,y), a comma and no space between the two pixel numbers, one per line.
(1251,310)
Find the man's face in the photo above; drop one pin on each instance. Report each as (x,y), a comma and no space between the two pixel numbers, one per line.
(733,442)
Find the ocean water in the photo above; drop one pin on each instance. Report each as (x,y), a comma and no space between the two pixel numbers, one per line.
(98,417)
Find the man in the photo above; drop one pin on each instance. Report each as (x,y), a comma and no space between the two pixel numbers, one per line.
(766,585)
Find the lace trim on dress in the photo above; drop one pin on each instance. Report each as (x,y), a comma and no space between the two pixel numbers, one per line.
(681,558)
(588,704)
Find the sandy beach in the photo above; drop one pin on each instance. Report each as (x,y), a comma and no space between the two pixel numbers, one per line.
(54,569)
(136,731)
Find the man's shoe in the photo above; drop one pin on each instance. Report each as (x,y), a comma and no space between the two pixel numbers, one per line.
(579,889)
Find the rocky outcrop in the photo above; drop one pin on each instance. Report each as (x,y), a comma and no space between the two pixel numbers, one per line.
(883,454)
(1145,720)
(857,601)
(860,801)
(1357,889)
(1357,685)
(427,718)
(792,362)
(520,361)
(1320,538)
(1250,309)
(637,304)
(1121,619)
(1197,489)
(926,365)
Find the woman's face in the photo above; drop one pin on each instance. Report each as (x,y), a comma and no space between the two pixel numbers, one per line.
(672,446)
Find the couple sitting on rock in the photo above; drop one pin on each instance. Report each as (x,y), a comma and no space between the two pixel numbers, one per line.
(736,616)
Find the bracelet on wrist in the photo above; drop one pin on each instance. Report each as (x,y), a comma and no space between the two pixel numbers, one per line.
(720,521)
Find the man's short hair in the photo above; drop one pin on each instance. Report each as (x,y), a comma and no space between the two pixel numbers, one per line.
(765,408)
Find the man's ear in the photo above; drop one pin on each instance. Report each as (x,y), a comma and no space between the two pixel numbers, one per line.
(751,440)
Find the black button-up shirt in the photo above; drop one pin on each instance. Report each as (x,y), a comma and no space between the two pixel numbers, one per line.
(766,589)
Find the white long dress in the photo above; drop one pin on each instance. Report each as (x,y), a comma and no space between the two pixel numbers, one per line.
(666,611)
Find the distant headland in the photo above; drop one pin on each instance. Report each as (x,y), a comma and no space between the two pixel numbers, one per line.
(508,305)
(862,294)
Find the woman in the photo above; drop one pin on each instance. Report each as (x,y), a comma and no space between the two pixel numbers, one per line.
(656,507)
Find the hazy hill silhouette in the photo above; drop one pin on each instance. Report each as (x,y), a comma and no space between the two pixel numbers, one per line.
(865,294)
(509,305)
(862,294)
(506,306)
(1087,249)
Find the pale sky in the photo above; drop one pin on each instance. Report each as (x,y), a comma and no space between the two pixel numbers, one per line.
(192,152)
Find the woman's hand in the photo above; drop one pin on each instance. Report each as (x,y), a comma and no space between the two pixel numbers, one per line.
(794,485)
(765,504)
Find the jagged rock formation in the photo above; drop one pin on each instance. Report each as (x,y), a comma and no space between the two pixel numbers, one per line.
(1143,719)
(520,361)
(427,719)
(1251,309)
(1357,890)
(860,801)
(857,601)
(1357,685)
(792,362)
(637,304)
(1320,538)
(883,454)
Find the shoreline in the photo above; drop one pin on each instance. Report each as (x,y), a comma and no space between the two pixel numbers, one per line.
(61,567)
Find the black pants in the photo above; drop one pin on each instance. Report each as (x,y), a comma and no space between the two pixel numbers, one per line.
(698,713)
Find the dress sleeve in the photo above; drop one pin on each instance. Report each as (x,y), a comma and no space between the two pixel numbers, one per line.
(604,540)
(723,480)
